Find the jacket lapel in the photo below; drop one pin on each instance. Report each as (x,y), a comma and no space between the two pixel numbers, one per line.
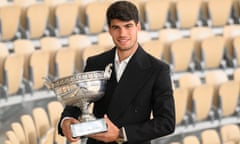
(132,80)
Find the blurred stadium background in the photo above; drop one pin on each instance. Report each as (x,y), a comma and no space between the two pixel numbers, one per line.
(199,39)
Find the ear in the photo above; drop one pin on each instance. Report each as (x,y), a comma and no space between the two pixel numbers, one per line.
(139,26)
(109,30)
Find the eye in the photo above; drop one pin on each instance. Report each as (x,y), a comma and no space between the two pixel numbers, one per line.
(115,27)
(129,26)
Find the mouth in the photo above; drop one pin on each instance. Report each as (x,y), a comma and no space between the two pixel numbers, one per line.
(122,41)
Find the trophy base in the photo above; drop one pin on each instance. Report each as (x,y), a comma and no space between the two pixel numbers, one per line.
(89,127)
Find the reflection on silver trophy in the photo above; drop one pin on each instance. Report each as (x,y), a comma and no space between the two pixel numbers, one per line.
(81,90)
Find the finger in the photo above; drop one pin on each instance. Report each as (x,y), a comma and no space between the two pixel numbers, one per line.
(96,136)
(71,139)
(101,134)
(106,118)
(67,131)
(68,135)
(75,121)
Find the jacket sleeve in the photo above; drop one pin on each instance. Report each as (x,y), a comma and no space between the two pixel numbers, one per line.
(69,111)
(163,122)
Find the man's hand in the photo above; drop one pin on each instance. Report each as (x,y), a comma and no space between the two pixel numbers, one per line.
(110,136)
(67,130)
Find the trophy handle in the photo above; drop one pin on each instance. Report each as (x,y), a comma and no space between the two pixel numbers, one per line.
(108,71)
(48,82)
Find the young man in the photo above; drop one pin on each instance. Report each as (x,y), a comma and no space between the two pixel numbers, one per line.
(139,85)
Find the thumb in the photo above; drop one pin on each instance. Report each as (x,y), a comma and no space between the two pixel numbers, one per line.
(74,121)
(106,118)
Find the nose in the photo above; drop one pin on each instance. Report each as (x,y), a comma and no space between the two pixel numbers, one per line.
(123,32)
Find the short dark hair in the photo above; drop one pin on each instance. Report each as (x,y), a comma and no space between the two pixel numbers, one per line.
(122,10)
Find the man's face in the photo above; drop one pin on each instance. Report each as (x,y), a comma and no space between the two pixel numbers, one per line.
(124,34)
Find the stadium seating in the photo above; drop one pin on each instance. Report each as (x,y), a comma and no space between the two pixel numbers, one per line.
(29,129)
(52,5)
(215,78)
(213,51)
(144,36)
(48,138)
(181,53)
(203,101)
(230,32)
(230,133)
(95,24)
(104,39)
(37,16)
(219,14)
(189,81)
(10,22)
(13,76)
(67,22)
(64,62)
(191,139)
(229,99)
(157,14)
(18,130)
(236,74)
(8,142)
(186,19)
(154,47)
(39,69)
(23,4)
(91,51)
(41,121)
(3,54)
(78,43)
(25,48)
(12,137)
(236,49)
(181,99)
(198,34)
(4,2)
(51,45)
(210,136)
(167,36)
(54,110)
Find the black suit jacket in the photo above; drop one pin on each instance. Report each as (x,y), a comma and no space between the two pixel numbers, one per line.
(145,86)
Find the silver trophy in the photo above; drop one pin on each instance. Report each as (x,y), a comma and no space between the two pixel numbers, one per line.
(81,90)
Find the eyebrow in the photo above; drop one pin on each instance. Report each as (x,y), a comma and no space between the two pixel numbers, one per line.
(127,24)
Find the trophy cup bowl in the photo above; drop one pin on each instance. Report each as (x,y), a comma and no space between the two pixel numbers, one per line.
(80,90)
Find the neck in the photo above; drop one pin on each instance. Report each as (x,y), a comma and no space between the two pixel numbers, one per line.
(123,54)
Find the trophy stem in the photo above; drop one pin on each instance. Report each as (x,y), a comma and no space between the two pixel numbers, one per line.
(86,115)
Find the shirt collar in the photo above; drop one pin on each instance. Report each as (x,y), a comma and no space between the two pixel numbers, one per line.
(116,59)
